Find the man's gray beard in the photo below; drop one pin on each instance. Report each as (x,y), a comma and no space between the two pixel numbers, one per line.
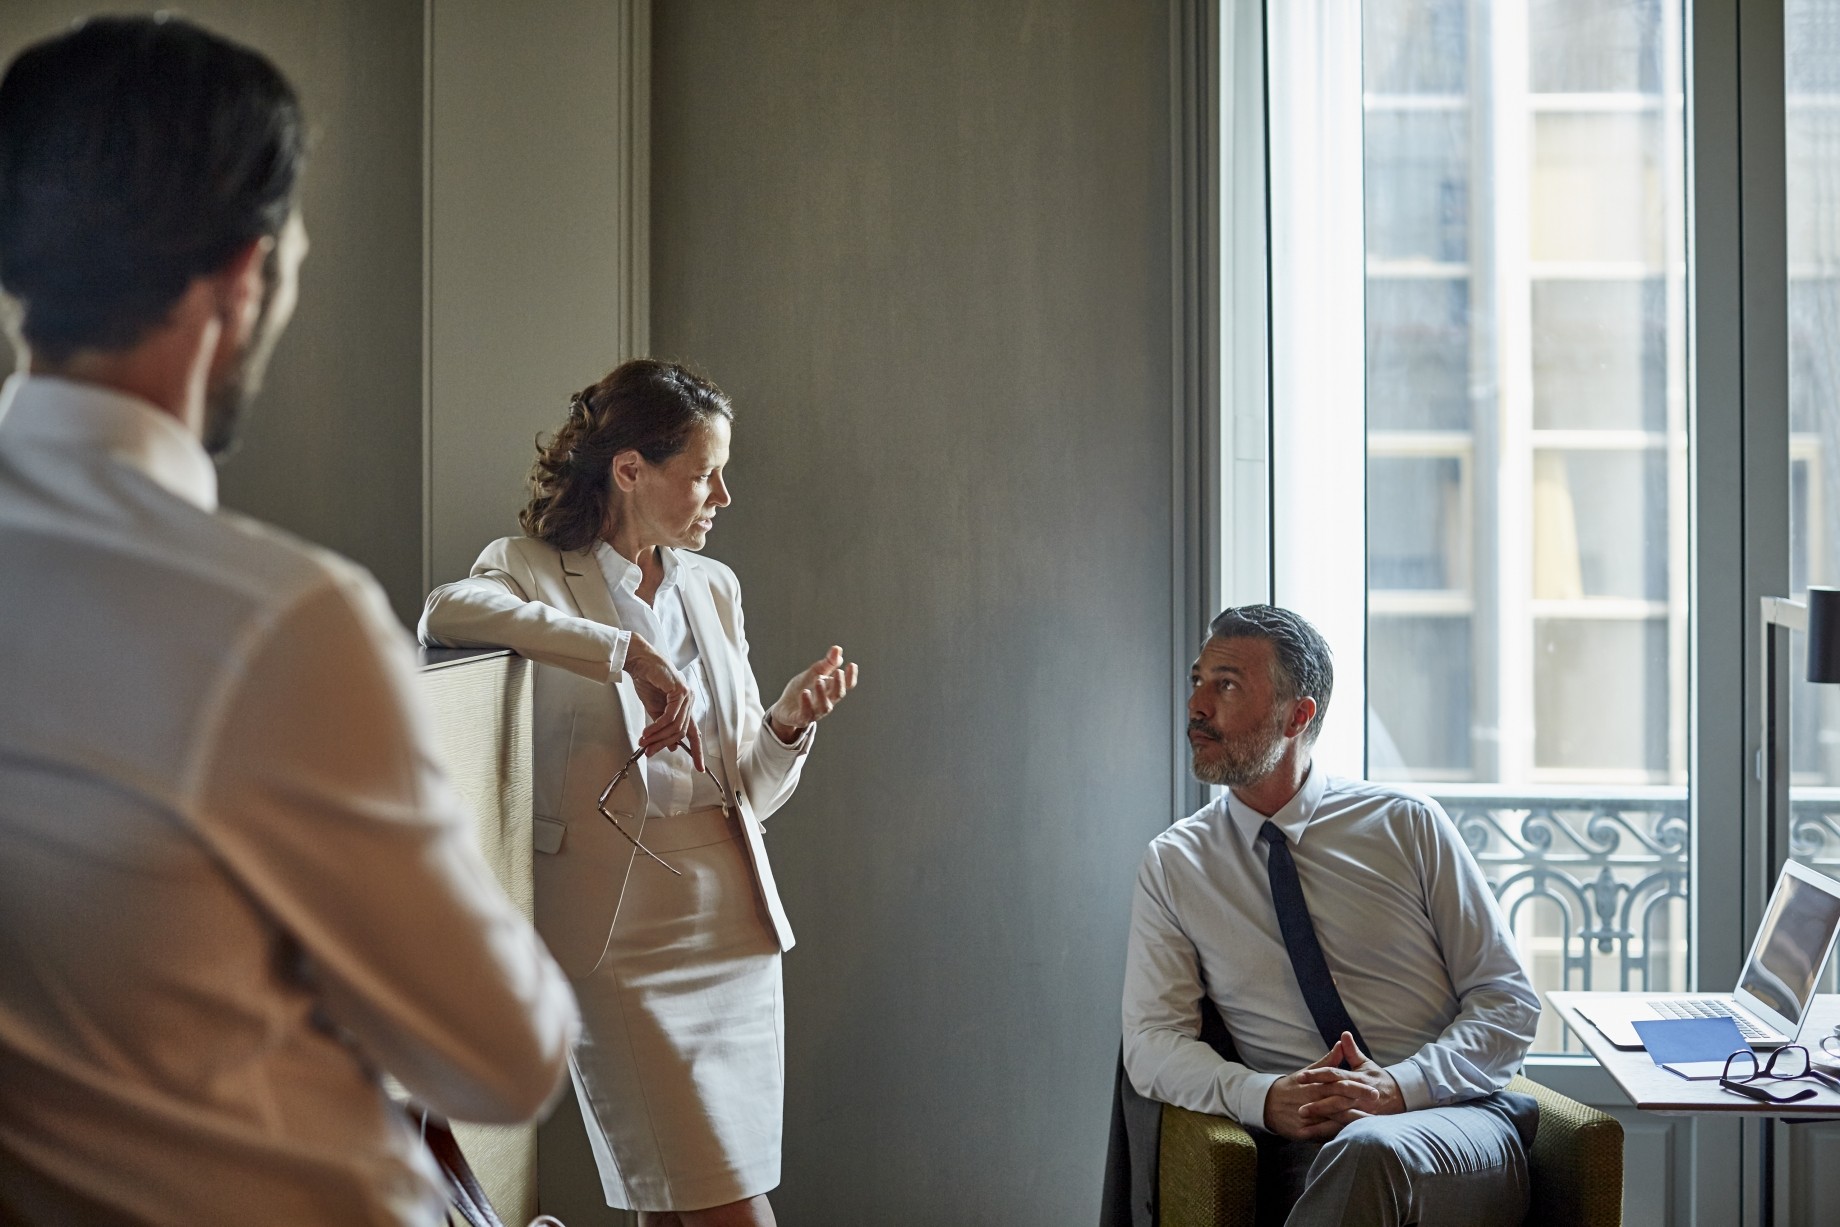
(1236,763)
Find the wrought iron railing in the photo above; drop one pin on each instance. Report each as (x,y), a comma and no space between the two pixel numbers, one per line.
(1595,881)
(1814,828)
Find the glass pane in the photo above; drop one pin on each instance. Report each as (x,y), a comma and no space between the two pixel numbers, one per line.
(1418,185)
(1599,525)
(1600,355)
(1527,529)
(1588,46)
(1595,685)
(1417,524)
(1812,145)
(1418,353)
(1417,46)
(1419,686)
(1814,323)
(1598,188)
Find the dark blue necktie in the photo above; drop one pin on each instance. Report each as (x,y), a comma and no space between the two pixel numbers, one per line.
(1326,1008)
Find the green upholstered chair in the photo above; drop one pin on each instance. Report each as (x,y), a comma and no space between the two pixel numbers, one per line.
(1208,1167)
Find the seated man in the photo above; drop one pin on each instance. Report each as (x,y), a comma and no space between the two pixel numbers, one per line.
(1348,940)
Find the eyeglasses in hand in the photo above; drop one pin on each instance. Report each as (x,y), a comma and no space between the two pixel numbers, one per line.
(728,803)
(1786,1064)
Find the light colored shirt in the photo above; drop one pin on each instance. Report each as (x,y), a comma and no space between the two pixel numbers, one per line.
(673,785)
(235,888)
(1421,956)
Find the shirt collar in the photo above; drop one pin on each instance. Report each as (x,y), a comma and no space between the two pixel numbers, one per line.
(1292,817)
(44,410)
(624,575)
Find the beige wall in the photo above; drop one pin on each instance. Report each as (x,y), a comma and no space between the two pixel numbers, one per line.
(926,247)
(528,221)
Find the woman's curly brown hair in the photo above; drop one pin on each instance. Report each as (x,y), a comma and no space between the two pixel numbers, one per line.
(646,406)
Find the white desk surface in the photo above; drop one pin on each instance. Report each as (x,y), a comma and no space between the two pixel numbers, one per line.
(1654,1089)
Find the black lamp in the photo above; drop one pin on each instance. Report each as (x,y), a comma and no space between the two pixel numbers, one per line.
(1824,635)
(1820,618)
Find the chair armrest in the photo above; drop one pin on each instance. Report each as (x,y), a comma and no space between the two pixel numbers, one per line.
(1208,1171)
(1576,1168)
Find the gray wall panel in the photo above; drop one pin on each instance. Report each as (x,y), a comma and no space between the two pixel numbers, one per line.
(332,450)
(525,296)
(926,248)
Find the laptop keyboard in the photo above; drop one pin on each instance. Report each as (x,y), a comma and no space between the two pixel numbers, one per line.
(1706,1007)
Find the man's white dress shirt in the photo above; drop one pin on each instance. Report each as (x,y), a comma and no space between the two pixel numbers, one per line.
(1421,955)
(235,888)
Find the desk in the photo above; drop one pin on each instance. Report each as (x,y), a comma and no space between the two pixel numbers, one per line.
(1653,1089)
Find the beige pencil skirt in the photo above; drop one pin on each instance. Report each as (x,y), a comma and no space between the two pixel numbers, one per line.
(681,1067)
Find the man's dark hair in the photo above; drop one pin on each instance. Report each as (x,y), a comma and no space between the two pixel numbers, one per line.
(136,153)
(1302,663)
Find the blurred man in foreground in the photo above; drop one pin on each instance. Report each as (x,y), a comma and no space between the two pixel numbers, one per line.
(234,887)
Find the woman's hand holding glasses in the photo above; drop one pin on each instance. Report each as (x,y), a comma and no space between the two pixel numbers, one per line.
(667,701)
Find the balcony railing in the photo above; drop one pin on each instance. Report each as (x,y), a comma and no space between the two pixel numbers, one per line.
(1595,881)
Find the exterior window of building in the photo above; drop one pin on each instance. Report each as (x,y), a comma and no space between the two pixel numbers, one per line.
(1812,148)
(1527,518)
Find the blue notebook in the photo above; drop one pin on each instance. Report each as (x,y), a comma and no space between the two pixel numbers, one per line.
(1691,1047)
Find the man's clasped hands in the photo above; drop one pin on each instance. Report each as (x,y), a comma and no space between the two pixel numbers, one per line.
(1343,1086)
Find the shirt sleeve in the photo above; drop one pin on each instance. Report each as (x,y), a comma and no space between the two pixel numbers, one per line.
(1164,1055)
(784,750)
(323,796)
(1498,1009)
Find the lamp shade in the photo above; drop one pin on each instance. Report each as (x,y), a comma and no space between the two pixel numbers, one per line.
(1824,634)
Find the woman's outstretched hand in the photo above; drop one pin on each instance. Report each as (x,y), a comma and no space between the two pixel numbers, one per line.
(667,701)
(811,694)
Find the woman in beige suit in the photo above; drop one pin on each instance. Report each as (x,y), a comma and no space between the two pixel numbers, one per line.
(655,764)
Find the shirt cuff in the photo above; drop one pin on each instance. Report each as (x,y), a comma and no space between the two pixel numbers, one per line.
(789,749)
(616,662)
(1247,1101)
(1413,1087)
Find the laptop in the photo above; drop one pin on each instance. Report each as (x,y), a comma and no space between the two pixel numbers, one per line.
(1777,985)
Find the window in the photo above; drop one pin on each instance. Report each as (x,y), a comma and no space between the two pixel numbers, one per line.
(1522,348)
(1812,138)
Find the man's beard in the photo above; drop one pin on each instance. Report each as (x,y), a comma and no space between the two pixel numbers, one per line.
(1237,761)
(229,397)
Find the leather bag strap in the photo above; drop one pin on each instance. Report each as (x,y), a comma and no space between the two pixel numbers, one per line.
(463,1188)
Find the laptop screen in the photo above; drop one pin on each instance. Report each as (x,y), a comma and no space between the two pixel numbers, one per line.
(1791,947)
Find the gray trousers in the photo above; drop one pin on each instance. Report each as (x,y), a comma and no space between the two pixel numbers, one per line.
(1464,1164)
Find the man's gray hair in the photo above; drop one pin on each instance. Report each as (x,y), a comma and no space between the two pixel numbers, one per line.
(1302,662)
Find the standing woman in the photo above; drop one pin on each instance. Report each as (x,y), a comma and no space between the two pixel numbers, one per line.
(655,763)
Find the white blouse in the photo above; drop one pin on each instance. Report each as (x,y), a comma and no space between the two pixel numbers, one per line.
(673,785)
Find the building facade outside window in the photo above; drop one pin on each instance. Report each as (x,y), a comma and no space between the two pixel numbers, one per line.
(1527,517)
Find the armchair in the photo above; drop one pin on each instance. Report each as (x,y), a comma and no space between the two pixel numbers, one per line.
(1209,1166)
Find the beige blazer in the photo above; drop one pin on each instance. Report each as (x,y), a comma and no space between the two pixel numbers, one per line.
(554,608)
